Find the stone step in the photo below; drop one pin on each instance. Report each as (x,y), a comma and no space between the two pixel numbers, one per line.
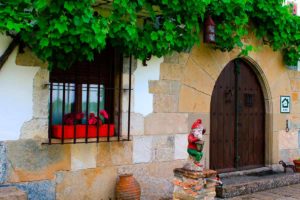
(254,181)
(12,193)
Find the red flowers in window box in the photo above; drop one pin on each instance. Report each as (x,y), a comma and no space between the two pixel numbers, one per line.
(71,118)
(95,127)
(79,131)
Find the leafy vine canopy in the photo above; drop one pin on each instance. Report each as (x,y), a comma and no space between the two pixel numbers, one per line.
(62,32)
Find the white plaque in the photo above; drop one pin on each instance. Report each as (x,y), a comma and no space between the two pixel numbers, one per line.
(285,104)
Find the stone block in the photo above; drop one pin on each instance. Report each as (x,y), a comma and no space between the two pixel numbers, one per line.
(41,94)
(165,103)
(180,151)
(172,58)
(183,58)
(36,128)
(163,148)
(192,184)
(163,154)
(171,71)
(279,121)
(192,100)
(142,149)
(12,193)
(136,124)
(295,97)
(281,86)
(3,163)
(125,94)
(121,152)
(29,160)
(295,84)
(126,63)
(164,87)
(98,183)
(299,139)
(194,76)
(28,58)
(83,156)
(273,67)
(104,158)
(154,178)
(203,57)
(114,153)
(176,58)
(166,123)
(41,190)
(288,140)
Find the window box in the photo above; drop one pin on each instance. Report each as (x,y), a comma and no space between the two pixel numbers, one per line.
(69,131)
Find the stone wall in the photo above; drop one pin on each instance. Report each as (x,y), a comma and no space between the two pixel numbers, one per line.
(289,142)
(159,140)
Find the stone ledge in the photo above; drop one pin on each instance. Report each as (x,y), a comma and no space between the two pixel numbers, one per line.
(12,193)
(261,184)
(206,173)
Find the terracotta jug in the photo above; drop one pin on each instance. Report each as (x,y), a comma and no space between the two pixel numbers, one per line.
(127,188)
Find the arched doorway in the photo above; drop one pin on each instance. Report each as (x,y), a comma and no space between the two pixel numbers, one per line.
(237,139)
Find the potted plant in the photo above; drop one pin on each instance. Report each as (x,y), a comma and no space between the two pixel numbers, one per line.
(73,128)
(297,164)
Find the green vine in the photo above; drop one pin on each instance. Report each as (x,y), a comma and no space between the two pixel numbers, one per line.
(62,32)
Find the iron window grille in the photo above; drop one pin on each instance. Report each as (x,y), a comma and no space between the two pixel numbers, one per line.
(79,94)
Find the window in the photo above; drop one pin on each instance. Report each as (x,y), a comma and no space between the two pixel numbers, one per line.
(85,102)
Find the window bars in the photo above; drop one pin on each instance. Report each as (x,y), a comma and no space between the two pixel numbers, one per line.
(86,102)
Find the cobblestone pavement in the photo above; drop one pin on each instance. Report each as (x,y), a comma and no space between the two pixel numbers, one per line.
(291,192)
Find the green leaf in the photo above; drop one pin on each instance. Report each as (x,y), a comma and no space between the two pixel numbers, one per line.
(69,6)
(154,36)
(61,27)
(44,42)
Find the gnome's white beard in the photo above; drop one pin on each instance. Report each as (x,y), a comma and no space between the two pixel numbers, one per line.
(198,133)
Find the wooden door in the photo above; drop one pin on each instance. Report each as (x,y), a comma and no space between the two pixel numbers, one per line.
(237,120)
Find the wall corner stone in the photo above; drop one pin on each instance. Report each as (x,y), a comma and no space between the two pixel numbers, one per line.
(29,160)
(3,163)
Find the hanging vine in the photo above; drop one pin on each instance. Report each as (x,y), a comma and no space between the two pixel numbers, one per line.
(62,32)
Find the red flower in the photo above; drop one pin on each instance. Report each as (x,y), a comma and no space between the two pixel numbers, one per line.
(70,118)
(104,114)
(79,116)
(94,119)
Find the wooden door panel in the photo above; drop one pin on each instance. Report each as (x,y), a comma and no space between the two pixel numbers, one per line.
(249,124)
(223,117)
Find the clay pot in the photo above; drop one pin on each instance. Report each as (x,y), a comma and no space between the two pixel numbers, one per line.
(127,188)
(297,165)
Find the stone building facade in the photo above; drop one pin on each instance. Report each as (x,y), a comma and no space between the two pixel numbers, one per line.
(179,89)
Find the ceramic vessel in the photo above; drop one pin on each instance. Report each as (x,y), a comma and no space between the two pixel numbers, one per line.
(127,188)
(297,165)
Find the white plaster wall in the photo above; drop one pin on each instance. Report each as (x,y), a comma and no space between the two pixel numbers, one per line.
(16,88)
(143,100)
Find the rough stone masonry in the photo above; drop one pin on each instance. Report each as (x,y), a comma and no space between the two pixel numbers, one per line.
(194,185)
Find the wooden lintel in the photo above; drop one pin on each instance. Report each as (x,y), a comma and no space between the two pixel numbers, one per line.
(8,51)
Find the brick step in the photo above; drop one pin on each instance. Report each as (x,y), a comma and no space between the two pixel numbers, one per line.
(246,183)
(12,193)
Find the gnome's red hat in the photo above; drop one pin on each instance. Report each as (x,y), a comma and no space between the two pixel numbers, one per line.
(197,124)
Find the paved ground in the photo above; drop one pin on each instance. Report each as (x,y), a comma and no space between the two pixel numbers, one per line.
(291,192)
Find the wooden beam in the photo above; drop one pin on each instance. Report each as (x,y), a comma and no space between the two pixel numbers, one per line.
(8,51)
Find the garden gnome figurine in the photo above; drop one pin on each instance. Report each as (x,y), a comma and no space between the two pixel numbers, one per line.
(195,142)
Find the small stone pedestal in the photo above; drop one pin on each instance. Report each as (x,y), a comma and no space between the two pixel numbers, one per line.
(194,185)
